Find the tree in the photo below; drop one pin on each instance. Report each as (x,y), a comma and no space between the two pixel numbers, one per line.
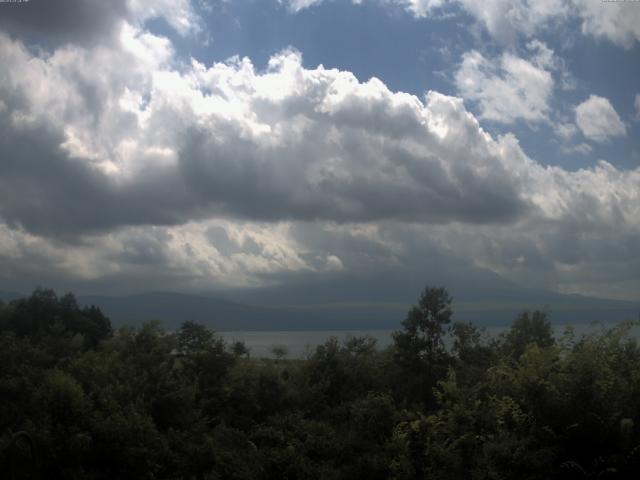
(196,338)
(95,325)
(240,349)
(44,315)
(279,351)
(473,355)
(528,328)
(419,346)
(421,338)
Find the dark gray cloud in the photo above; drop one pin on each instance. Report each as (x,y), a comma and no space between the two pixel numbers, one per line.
(219,238)
(53,23)
(223,243)
(364,250)
(41,188)
(144,247)
(62,21)
(47,192)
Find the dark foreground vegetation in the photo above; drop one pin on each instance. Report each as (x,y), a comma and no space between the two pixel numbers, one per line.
(78,400)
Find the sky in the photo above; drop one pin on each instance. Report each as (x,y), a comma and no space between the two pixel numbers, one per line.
(211,145)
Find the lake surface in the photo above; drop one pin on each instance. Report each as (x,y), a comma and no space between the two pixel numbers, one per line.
(301,343)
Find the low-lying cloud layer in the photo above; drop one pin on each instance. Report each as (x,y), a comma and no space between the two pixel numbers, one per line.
(178,173)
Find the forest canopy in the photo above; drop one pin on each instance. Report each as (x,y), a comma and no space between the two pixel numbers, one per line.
(79,400)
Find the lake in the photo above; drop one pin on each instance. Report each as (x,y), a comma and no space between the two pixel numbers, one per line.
(301,343)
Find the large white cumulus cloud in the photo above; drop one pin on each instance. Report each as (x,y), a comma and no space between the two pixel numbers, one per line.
(159,145)
(211,173)
(162,145)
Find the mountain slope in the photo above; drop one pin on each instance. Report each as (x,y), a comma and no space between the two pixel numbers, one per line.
(171,309)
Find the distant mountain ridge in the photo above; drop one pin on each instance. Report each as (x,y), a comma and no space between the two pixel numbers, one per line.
(8,296)
(171,309)
(222,314)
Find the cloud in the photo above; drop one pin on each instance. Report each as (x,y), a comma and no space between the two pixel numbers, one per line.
(509,88)
(179,14)
(565,131)
(91,21)
(506,20)
(582,227)
(581,148)
(618,22)
(158,146)
(422,8)
(174,175)
(598,120)
(636,104)
(143,143)
(297,5)
(204,255)
(585,246)
(61,123)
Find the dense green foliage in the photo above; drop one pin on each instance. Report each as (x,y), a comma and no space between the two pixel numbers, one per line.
(80,401)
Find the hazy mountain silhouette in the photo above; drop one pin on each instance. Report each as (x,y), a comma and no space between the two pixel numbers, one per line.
(171,309)
(342,305)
